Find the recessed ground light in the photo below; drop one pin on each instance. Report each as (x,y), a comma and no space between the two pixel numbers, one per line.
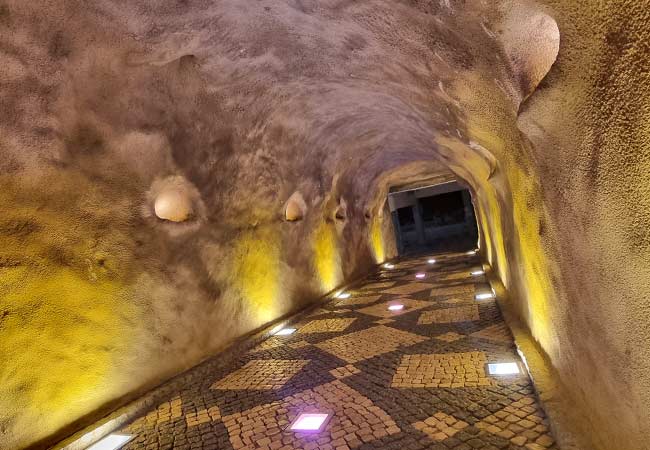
(285,332)
(511,368)
(396,307)
(111,442)
(343,295)
(420,275)
(484,296)
(476,273)
(472,252)
(389,266)
(431,261)
(310,422)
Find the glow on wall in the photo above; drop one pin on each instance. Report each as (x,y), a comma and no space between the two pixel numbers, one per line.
(257,273)
(377,241)
(326,256)
(64,323)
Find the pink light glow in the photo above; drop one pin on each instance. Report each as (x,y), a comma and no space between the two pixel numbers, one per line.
(396,307)
(309,422)
(420,275)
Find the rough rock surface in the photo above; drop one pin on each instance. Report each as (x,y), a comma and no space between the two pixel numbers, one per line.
(242,103)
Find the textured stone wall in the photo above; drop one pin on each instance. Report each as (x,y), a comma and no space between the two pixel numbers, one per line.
(150,149)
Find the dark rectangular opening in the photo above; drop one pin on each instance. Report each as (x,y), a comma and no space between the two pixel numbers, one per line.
(434,219)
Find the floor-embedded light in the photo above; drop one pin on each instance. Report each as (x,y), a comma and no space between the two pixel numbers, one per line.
(285,332)
(396,307)
(511,368)
(111,442)
(310,422)
(343,295)
(389,266)
(484,296)
(431,261)
(471,252)
(419,276)
(476,273)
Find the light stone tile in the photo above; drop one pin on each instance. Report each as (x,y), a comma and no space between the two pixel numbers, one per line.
(410,288)
(440,426)
(381,309)
(270,343)
(345,371)
(368,343)
(450,370)
(261,374)
(450,315)
(363,300)
(461,290)
(498,333)
(450,337)
(523,422)
(326,325)
(353,416)
(382,285)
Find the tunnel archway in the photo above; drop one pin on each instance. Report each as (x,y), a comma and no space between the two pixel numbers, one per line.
(177,175)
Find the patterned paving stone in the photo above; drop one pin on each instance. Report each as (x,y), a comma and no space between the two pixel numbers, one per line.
(326,325)
(363,300)
(381,309)
(203,416)
(345,371)
(165,412)
(368,343)
(397,382)
(457,276)
(450,370)
(449,315)
(262,374)
(408,288)
(458,301)
(462,289)
(498,332)
(382,285)
(450,337)
(355,420)
(384,321)
(270,343)
(523,422)
(440,426)
(299,344)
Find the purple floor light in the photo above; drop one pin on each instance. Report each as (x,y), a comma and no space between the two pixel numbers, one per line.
(310,422)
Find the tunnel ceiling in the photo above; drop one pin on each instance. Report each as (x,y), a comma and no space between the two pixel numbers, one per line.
(298,87)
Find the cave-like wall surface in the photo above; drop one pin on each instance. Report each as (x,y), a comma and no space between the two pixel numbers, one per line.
(176,173)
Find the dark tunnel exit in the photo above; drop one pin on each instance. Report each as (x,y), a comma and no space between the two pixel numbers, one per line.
(436,218)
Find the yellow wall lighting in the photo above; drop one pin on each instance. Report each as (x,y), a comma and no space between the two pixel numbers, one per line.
(326,256)
(257,273)
(377,240)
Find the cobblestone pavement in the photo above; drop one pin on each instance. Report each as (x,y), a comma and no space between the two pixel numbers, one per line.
(410,378)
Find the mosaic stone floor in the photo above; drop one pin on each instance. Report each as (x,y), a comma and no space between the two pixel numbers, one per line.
(409,379)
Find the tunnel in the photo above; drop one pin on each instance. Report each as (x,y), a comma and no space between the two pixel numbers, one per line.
(397,185)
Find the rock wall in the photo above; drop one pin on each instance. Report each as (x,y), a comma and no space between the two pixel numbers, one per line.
(589,130)
(177,173)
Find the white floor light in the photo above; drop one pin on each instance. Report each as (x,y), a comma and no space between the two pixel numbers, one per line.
(111,442)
